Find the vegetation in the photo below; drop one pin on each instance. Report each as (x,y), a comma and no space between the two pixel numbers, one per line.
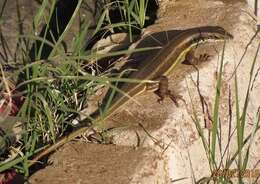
(54,87)
(226,164)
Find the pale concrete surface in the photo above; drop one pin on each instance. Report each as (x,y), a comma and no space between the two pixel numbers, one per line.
(255,6)
(173,128)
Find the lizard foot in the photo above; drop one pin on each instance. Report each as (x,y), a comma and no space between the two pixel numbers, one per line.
(174,98)
(160,100)
(191,59)
(204,57)
(163,91)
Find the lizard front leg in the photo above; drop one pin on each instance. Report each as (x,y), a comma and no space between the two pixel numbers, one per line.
(191,59)
(163,91)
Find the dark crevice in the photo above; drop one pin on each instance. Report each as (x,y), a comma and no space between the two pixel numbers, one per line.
(115,15)
(60,18)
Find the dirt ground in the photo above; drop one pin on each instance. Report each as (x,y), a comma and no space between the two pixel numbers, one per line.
(79,162)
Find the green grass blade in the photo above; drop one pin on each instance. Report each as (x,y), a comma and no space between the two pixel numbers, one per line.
(216,108)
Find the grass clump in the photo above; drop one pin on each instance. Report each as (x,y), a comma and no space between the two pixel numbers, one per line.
(55,83)
(226,164)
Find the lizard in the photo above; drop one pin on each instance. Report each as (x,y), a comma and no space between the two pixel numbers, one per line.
(178,50)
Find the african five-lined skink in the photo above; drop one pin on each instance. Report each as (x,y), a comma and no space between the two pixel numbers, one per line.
(162,64)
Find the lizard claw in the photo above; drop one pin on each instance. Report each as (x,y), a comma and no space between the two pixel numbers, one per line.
(174,99)
(160,100)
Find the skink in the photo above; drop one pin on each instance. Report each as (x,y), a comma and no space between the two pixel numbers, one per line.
(162,64)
